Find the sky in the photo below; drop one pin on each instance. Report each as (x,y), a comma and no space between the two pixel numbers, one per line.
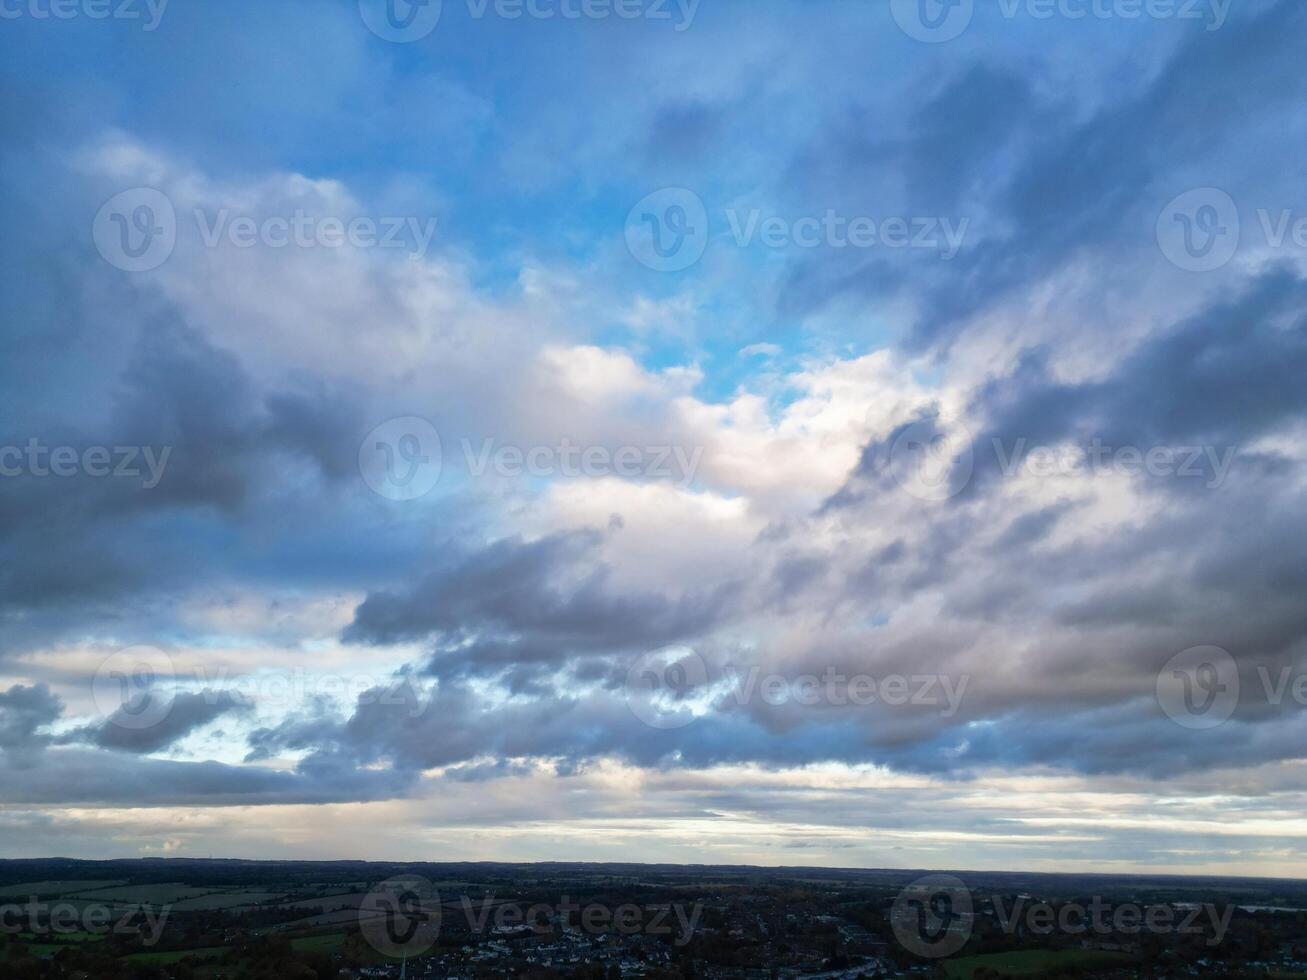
(862,433)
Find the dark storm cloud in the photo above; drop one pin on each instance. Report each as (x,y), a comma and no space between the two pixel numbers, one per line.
(74,776)
(1063,625)
(542,601)
(233,457)
(23,712)
(1081,185)
(185,712)
(518,613)
(1220,379)
(36,768)
(453,725)
(1214,383)
(231,442)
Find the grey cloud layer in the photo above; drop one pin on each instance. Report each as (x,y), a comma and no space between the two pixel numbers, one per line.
(1058,608)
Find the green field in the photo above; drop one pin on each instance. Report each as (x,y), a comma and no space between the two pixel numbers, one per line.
(330,943)
(43,889)
(63,938)
(40,949)
(176,955)
(148,894)
(226,900)
(1029,962)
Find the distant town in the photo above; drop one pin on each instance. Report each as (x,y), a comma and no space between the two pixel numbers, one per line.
(240,920)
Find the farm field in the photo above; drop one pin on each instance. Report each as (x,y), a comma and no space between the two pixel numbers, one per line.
(177,955)
(1030,962)
(330,943)
(52,889)
(238,899)
(163,894)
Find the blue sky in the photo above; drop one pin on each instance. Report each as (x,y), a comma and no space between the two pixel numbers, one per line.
(856,433)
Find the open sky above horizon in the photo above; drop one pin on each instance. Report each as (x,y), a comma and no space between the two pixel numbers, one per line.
(860,433)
